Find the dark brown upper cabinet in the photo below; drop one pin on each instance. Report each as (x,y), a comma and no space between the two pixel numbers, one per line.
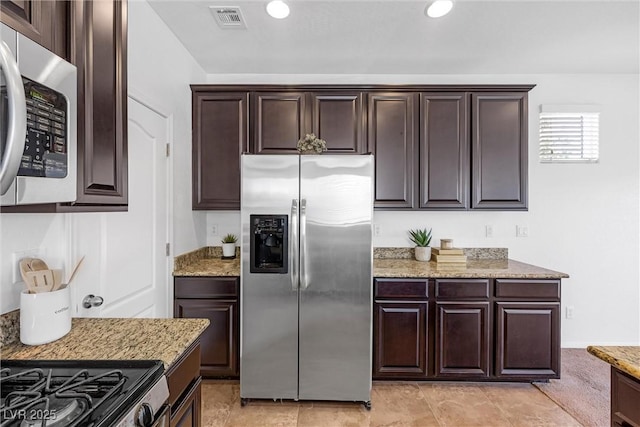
(279,120)
(44,22)
(97,41)
(219,138)
(99,50)
(444,151)
(337,118)
(499,150)
(436,147)
(392,136)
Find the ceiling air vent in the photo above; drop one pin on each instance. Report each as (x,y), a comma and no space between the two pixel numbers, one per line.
(228,17)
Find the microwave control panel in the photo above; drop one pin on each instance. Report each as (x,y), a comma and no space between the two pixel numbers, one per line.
(45,150)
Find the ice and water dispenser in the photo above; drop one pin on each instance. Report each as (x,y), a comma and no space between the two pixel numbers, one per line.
(269,244)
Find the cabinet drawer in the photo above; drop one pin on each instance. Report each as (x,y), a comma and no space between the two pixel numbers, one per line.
(206,287)
(180,375)
(534,289)
(458,289)
(394,288)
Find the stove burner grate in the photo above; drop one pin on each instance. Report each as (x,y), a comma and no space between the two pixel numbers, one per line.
(34,398)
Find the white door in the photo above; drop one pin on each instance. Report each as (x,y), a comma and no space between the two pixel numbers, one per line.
(127,264)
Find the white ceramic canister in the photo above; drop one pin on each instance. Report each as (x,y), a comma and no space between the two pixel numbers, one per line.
(45,316)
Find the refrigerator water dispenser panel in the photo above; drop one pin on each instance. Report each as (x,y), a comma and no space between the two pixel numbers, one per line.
(269,244)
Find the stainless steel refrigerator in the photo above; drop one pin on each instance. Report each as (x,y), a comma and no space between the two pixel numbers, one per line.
(306,279)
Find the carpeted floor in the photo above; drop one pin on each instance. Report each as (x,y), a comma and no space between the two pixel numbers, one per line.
(584,387)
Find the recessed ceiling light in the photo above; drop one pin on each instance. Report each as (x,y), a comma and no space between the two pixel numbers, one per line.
(438,8)
(278,9)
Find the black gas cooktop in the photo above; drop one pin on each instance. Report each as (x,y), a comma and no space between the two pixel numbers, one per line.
(56,393)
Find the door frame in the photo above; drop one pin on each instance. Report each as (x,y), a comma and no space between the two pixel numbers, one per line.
(71,255)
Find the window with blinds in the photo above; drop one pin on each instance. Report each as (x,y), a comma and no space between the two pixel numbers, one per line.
(569,134)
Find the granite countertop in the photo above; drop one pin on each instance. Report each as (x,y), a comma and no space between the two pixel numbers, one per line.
(626,359)
(504,268)
(480,268)
(116,339)
(210,267)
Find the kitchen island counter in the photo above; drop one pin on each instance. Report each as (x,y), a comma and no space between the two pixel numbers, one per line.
(626,359)
(625,382)
(392,267)
(116,339)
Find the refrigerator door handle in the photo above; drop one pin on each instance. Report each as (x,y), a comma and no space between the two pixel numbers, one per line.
(294,253)
(304,283)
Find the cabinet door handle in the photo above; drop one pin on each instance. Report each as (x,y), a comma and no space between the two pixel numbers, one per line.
(17,129)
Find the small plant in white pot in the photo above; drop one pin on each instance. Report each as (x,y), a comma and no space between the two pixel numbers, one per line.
(422,239)
(229,245)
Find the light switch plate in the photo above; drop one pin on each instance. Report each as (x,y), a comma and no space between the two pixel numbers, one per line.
(488,231)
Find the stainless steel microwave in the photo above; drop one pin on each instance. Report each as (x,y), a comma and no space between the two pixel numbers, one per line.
(38,123)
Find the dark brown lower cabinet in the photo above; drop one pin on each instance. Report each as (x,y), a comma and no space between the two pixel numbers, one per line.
(527,340)
(188,413)
(625,396)
(466,329)
(184,381)
(216,299)
(400,339)
(462,339)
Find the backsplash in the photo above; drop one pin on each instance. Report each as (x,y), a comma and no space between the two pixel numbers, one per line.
(378,253)
(9,327)
(471,253)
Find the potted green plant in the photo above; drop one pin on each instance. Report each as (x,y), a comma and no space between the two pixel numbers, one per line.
(422,239)
(229,245)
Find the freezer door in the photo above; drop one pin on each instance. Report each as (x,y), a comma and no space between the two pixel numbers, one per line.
(336,277)
(269,301)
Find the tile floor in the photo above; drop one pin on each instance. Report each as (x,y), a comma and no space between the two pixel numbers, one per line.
(394,404)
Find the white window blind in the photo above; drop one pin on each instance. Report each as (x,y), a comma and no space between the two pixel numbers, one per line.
(569,134)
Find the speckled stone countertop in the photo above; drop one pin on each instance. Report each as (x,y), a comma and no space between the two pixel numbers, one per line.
(626,359)
(210,267)
(116,339)
(481,268)
(391,267)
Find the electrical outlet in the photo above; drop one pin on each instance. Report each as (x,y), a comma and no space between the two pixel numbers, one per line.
(488,230)
(376,229)
(214,229)
(522,231)
(569,312)
(27,253)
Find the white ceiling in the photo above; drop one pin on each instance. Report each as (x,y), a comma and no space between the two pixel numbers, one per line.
(395,37)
